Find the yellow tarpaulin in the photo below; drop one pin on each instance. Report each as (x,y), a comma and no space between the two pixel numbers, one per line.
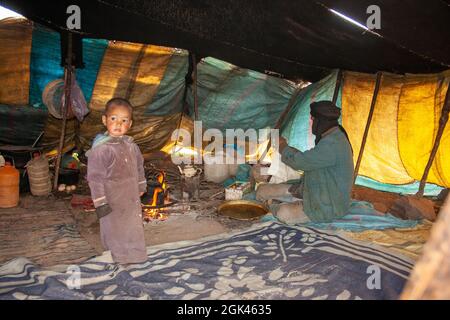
(403,127)
(130,70)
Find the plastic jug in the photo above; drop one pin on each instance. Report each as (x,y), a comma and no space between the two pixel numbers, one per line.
(9,186)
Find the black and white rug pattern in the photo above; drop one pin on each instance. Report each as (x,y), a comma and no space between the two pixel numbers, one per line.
(268,261)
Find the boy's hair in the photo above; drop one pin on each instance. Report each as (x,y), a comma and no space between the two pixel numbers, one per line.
(118,102)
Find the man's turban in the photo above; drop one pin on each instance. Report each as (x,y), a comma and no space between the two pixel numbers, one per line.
(325,109)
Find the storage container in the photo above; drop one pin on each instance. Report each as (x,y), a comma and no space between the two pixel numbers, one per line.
(39,176)
(9,186)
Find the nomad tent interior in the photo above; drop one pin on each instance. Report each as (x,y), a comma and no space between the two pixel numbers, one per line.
(231,65)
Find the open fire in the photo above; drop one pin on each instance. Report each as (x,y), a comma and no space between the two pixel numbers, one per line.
(157,197)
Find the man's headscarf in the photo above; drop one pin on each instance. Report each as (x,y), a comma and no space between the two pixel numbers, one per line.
(326,116)
(325,110)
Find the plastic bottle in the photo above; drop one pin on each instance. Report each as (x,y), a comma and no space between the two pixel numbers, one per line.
(9,186)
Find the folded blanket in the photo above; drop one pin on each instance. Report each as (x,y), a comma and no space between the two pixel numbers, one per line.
(361,216)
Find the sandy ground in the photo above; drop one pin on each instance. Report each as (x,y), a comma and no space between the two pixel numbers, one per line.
(194,225)
(84,226)
(178,227)
(49,231)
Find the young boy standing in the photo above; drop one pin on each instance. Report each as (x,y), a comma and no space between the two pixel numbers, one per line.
(117,180)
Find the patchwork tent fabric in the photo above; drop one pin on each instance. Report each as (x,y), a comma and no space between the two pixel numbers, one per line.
(45,63)
(300,39)
(267,261)
(153,79)
(297,127)
(169,96)
(231,97)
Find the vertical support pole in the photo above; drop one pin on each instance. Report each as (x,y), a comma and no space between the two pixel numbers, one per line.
(338,86)
(281,119)
(65,107)
(194,86)
(369,120)
(442,122)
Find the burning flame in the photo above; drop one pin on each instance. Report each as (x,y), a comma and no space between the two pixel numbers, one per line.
(259,152)
(156,214)
(173,148)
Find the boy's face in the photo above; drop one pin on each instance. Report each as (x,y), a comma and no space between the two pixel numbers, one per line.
(117,120)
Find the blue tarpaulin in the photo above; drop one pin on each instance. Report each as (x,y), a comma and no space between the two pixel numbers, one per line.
(45,64)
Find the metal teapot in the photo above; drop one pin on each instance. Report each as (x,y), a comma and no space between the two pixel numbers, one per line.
(190,171)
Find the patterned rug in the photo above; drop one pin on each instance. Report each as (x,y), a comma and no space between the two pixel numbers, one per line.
(268,261)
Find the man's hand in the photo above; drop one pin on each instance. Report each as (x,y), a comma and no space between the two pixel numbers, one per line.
(282,144)
(141,193)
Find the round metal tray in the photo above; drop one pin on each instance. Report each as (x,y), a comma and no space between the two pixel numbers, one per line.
(242,209)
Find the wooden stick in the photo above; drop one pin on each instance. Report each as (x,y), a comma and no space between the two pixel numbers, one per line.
(288,108)
(216,194)
(442,122)
(37,139)
(369,120)
(194,85)
(282,118)
(145,206)
(66,106)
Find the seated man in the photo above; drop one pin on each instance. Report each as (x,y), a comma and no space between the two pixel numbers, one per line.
(328,172)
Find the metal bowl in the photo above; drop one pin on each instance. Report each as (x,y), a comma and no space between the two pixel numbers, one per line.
(242,209)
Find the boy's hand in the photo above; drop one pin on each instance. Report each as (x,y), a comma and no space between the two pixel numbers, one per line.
(103,210)
(141,193)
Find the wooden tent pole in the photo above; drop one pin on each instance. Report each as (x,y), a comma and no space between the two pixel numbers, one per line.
(65,107)
(369,121)
(194,87)
(288,108)
(442,122)
(282,118)
(338,86)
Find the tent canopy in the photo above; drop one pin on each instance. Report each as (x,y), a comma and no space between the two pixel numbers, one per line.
(153,78)
(299,39)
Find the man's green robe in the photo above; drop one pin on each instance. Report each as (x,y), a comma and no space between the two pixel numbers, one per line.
(328,176)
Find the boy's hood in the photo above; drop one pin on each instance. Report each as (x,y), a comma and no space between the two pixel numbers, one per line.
(103,138)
